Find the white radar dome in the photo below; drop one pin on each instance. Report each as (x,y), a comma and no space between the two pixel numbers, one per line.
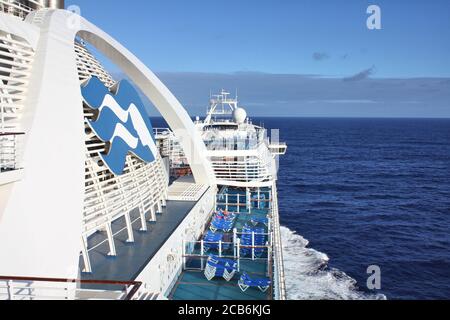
(239,115)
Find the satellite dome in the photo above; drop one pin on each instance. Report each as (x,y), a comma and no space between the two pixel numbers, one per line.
(239,115)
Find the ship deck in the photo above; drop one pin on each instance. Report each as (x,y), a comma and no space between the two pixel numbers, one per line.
(193,285)
(132,258)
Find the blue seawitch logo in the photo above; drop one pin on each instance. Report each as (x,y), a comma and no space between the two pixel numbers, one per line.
(122,122)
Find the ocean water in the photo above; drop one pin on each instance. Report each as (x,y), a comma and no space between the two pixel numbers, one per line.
(360,192)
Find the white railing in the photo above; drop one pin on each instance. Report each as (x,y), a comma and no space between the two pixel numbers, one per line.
(170,148)
(25,288)
(279,277)
(243,203)
(249,170)
(16,57)
(9,150)
(162,131)
(107,198)
(230,144)
(278,148)
(200,250)
(17,8)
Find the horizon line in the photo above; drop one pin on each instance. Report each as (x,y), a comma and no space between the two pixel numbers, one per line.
(339,117)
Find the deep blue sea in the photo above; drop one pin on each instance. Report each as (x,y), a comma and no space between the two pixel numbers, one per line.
(361,192)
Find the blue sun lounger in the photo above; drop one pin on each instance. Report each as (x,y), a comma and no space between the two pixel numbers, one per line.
(221,225)
(260,239)
(218,267)
(246,282)
(226,262)
(226,217)
(211,241)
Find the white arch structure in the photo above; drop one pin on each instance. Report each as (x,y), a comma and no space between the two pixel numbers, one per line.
(47,204)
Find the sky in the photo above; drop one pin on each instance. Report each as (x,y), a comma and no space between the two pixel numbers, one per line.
(291,57)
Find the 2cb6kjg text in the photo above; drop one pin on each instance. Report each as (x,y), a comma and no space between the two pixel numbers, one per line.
(226,310)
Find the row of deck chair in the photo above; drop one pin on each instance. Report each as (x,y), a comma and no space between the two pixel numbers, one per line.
(223,222)
(212,241)
(253,237)
(220,267)
(227,269)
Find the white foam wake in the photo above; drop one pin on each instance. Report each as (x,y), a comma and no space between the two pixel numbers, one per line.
(308,276)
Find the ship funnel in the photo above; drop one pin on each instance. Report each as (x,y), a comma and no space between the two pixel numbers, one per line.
(56,4)
(52,4)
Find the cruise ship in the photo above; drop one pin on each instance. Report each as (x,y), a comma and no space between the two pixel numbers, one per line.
(97,204)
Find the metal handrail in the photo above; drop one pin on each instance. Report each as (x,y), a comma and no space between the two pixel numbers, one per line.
(279,259)
(136,284)
(6,134)
(15,8)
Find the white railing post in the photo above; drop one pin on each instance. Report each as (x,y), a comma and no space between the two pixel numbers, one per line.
(238,203)
(152,214)
(220,248)
(160,209)
(249,200)
(183,253)
(226,202)
(202,253)
(85,255)
(143,221)
(253,245)
(129,227)
(239,255)
(2,127)
(112,247)
(1,151)
(269,226)
(14,155)
(9,285)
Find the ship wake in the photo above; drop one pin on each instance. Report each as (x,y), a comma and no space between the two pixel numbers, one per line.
(308,276)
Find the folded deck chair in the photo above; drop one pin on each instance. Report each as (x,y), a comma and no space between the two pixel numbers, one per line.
(221,225)
(225,218)
(226,262)
(246,282)
(220,268)
(211,241)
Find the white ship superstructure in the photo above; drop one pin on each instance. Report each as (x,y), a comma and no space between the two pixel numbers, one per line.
(95,203)
(239,151)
